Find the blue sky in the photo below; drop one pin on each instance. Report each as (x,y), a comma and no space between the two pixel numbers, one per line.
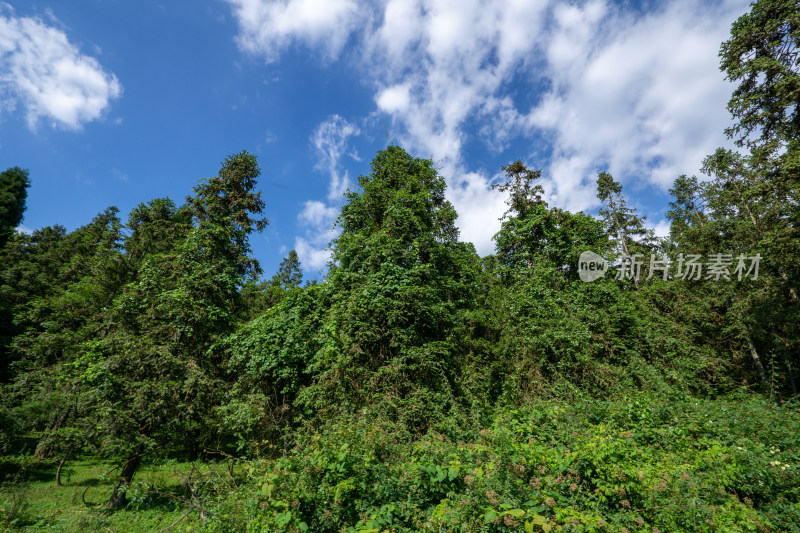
(109,102)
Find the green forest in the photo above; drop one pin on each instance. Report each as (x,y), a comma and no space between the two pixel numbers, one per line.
(154,378)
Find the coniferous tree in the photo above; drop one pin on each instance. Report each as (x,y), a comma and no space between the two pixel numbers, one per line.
(289,274)
(150,380)
(625,226)
(14,184)
(632,238)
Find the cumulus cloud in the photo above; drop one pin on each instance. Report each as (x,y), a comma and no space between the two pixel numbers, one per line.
(46,75)
(317,214)
(643,99)
(602,86)
(269,27)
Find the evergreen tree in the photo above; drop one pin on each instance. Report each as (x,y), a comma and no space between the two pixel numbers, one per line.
(14,184)
(289,274)
(762,57)
(152,380)
(622,223)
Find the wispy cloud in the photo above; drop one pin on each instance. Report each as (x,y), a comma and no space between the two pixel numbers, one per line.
(317,218)
(594,85)
(330,141)
(330,144)
(42,72)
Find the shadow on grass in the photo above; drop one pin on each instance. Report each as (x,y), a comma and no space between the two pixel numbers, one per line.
(89,482)
(16,470)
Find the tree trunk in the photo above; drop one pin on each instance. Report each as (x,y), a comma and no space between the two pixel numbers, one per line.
(193,449)
(43,447)
(117,499)
(791,376)
(60,467)
(757,361)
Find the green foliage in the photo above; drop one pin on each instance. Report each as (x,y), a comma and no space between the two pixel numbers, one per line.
(762,57)
(289,274)
(550,237)
(397,285)
(626,227)
(228,199)
(156,227)
(523,193)
(419,387)
(14,184)
(582,466)
(270,359)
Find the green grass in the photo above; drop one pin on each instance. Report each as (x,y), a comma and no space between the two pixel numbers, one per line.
(31,501)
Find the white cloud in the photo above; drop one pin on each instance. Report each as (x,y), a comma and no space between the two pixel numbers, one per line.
(311,254)
(643,97)
(394,99)
(661,228)
(318,219)
(317,214)
(637,94)
(267,28)
(44,73)
(330,143)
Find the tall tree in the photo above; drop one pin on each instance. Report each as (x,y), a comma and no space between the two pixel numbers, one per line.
(398,279)
(763,57)
(14,184)
(625,226)
(523,191)
(289,274)
(152,380)
(229,199)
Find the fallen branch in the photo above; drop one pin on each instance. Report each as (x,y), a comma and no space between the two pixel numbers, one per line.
(175,523)
(194,506)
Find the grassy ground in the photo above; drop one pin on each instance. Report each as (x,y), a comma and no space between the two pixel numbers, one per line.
(31,501)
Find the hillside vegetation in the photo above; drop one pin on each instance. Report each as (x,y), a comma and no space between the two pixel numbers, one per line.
(153,379)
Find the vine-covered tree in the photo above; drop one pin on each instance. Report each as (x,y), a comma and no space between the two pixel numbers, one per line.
(398,280)
(533,233)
